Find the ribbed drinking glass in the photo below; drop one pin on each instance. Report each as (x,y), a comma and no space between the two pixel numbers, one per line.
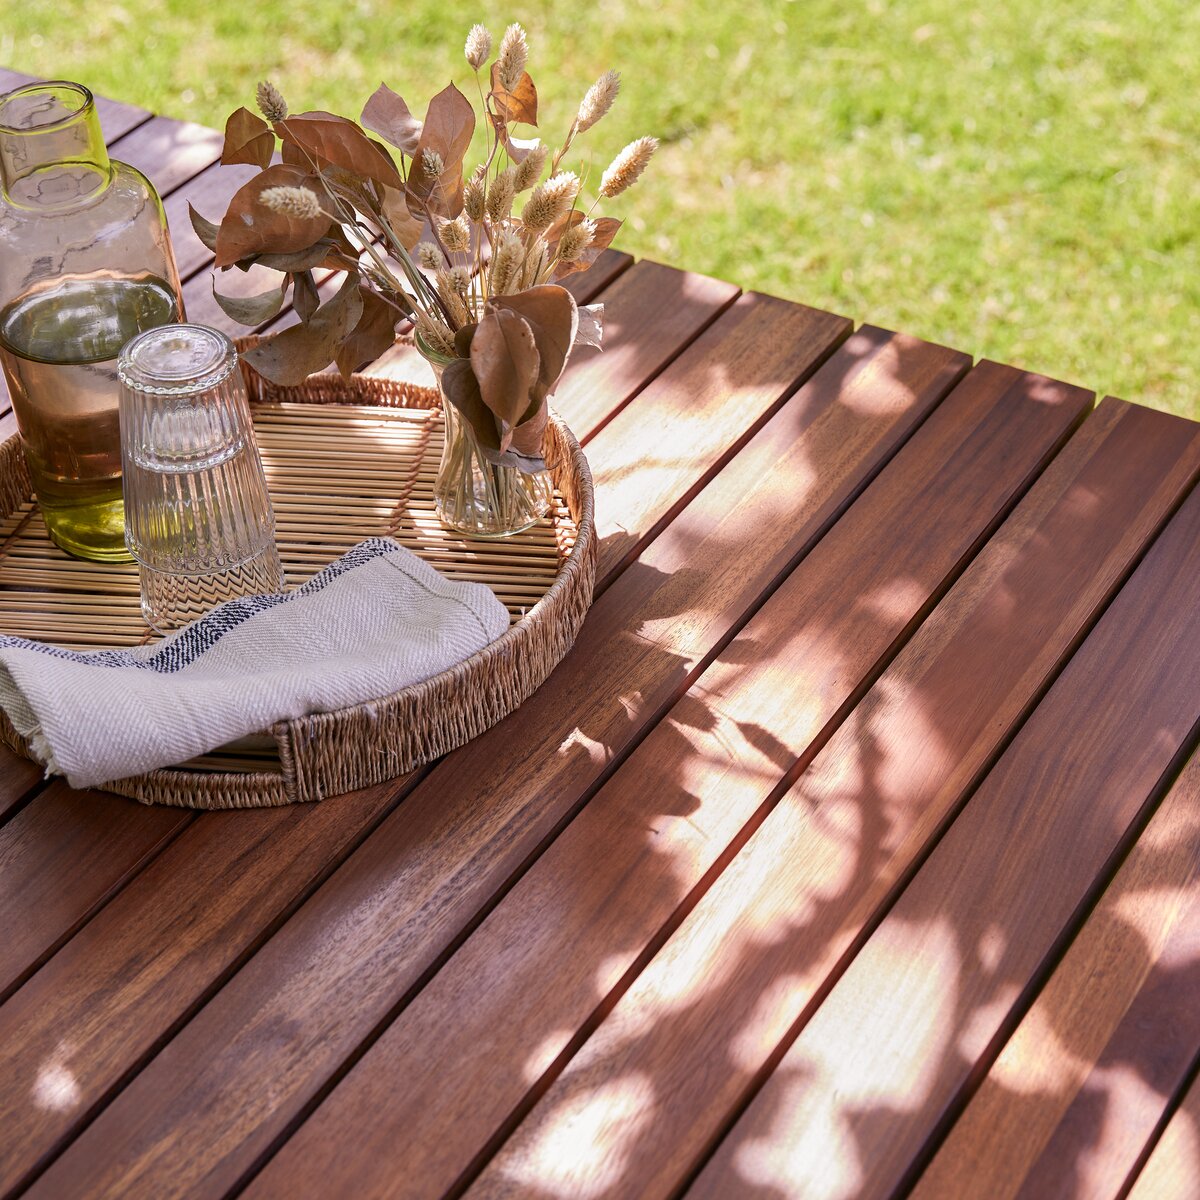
(198,518)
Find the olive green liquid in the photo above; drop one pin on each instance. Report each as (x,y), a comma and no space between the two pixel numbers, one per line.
(59,347)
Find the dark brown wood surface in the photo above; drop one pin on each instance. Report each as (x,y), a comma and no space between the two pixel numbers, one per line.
(830,852)
(851,852)
(696,784)
(892,1049)
(1075,1096)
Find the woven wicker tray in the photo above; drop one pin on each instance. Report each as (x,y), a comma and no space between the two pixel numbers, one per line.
(344,461)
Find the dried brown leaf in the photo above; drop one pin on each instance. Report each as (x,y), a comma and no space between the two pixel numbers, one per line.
(374,333)
(518,107)
(462,390)
(606,228)
(552,316)
(305,297)
(252,310)
(330,140)
(387,115)
(449,125)
(248,139)
(505,359)
(527,438)
(250,228)
(206,231)
(292,356)
(408,229)
(591,325)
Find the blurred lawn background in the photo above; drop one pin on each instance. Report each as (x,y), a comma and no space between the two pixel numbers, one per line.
(1019,180)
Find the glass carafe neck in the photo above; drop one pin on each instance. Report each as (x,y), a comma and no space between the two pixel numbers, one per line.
(52,153)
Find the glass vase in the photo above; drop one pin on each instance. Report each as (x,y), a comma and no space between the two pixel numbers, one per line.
(474,496)
(85,265)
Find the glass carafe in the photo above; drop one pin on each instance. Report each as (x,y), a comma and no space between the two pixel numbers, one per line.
(85,264)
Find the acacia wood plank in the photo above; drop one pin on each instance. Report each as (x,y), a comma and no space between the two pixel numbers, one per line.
(57,861)
(524,990)
(698,1028)
(18,778)
(1173,1167)
(381,921)
(151,954)
(155,937)
(1078,1090)
(169,152)
(862,1095)
(116,118)
(102,979)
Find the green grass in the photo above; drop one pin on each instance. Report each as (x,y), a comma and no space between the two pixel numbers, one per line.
(1018,180)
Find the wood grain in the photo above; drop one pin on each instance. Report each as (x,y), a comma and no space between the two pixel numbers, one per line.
(525,988)
(60,858)
(18,778)
(1173,1167)
(650,313)
(860,1097)
(1078,1090)
(381,921)
(156,928)
(169,152)
(151,954)
(698,1028)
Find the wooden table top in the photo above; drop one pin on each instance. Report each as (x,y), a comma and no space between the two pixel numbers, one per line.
(852,852)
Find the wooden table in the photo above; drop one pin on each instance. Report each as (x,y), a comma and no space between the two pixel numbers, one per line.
(852,852)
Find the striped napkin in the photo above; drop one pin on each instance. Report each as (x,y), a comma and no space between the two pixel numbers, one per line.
(375,621)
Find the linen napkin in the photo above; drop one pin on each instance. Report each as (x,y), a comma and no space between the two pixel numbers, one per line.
(374,621)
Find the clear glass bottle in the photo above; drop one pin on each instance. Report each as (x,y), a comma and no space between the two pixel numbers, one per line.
(85,264)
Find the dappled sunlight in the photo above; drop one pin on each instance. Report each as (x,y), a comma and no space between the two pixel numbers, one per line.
(844,1068)
(894,600)
(1152,911)
(56,1088)
(870,395)
(1036,1060)
(575,1153)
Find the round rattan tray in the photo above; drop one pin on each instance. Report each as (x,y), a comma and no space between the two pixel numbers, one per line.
(345,460)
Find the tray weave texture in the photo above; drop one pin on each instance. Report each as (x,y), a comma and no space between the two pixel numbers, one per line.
(344,460)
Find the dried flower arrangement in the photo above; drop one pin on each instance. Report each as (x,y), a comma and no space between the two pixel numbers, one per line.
(421,241)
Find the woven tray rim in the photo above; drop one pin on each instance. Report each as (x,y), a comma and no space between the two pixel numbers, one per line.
(327,754)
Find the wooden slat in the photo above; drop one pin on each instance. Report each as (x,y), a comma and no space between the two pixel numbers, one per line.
(151,954)
(169,152)
(119,863)
(56,866)
(650,312)
(18,778)
(428,870)
(1077,1092)
(860,1098)
(524,989)
(851,448)
(699,1026)
(116,119)
(1173,1167)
